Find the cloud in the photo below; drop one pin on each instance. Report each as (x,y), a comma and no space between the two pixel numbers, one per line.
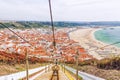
(24,9)
(63,10)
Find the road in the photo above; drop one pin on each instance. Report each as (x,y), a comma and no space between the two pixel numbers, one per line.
(84,75)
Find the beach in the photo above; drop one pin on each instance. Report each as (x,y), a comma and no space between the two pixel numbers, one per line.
(86,38)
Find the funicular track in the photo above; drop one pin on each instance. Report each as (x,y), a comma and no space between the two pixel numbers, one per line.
(55,74)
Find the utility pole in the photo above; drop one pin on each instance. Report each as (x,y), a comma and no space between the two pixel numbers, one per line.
(77,56)
(45,62)
(45,67)
(64,65)
(49,64)
(27,64)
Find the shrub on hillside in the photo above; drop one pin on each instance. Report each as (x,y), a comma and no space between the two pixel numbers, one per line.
(113,63)
(14,58)
(88,62)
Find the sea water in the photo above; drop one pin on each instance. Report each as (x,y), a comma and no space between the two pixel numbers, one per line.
(108,35)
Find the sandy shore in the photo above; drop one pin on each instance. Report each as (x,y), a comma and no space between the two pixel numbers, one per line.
(86,39)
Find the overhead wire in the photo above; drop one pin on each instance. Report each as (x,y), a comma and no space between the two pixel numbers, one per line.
(105,46)
(52,23)
(4,26)
(27,63)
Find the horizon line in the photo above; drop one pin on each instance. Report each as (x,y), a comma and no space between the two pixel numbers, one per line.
(56,21)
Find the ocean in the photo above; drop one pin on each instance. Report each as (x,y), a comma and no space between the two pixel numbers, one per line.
(108,35)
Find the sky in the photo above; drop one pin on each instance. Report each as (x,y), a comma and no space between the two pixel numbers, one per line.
(63,10)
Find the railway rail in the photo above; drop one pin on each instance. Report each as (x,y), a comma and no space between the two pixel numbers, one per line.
(55,74)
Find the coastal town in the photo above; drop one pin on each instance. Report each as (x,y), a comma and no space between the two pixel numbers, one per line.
(70,44)
(41,41)
(68,40)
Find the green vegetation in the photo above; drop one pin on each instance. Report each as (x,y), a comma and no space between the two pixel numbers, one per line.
(107,63)
(110,63)
(13,62)
(38,24)
(14,58)
(86,62)
(108,68)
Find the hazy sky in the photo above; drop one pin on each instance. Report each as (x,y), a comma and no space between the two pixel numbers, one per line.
(63,10)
